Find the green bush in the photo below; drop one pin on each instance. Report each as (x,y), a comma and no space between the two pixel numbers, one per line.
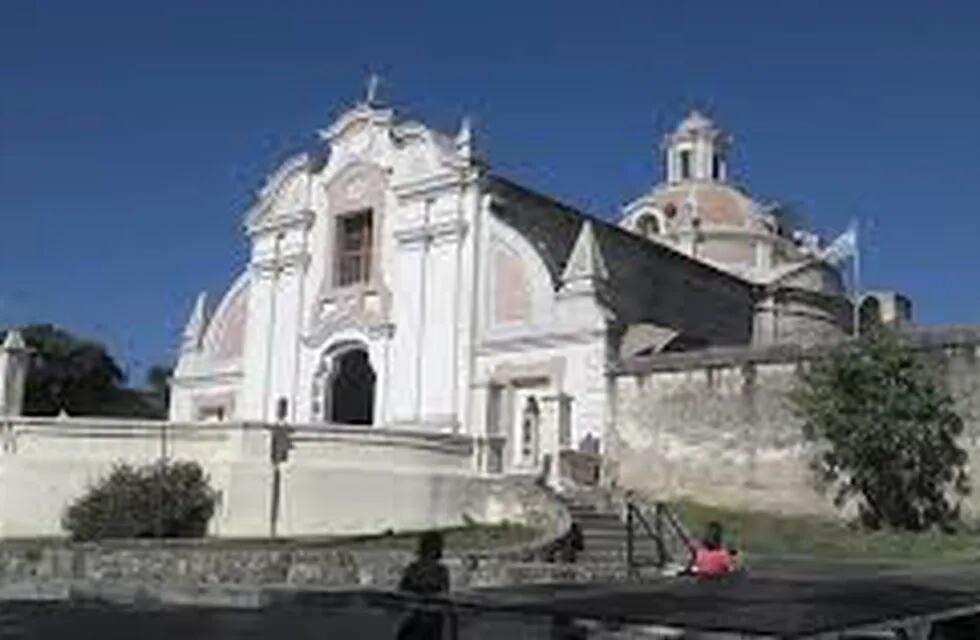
(887,434)
(170,500)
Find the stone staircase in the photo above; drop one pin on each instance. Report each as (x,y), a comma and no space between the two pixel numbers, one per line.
(603,525)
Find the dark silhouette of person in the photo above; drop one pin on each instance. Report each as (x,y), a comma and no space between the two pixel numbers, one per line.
(573,543)
(426,576)
(565,549)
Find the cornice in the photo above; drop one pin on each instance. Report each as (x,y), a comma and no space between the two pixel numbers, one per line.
(288,264)
(438,231)
(300,218)
(492,345)
(430,185)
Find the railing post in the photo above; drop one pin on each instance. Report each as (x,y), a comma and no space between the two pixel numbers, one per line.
(629,538)
(659,525)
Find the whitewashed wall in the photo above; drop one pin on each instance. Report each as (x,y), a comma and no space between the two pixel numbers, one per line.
(338,480)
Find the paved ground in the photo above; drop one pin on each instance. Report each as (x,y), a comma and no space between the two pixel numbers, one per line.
(793,602)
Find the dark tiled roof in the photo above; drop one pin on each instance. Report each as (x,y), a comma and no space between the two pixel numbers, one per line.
(649,282)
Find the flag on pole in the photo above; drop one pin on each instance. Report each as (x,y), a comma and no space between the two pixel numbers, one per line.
(843,247)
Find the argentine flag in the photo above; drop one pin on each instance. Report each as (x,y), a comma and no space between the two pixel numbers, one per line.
(843,247)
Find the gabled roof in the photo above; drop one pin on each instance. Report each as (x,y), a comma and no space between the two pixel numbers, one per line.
(648,281)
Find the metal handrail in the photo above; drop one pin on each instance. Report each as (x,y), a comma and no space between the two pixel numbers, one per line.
(662,516)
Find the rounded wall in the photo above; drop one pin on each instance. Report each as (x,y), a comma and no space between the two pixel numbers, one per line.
(806,305)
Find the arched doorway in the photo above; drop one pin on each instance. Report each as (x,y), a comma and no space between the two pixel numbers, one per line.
(350,392)
(344,385)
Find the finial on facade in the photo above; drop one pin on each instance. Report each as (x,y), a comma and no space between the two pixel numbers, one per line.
(196,324)
(464,138)
(371,90)
(586,270)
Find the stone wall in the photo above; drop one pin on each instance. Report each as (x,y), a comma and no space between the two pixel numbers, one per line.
(182,574)
(715,425)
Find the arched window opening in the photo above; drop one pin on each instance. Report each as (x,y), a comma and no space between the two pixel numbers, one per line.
(869,316)
(685,160)
(716,164)
(349,393)
(648,226)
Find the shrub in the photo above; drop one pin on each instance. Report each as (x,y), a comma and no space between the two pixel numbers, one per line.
(887,431)
(170,500)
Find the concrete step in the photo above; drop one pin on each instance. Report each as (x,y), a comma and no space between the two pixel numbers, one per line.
(598,521)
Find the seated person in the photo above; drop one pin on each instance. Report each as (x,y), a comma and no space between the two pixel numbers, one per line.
(711,559)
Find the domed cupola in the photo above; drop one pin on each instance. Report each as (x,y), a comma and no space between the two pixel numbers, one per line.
(696,150)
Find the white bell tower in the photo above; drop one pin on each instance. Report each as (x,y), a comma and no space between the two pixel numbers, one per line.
(696,151)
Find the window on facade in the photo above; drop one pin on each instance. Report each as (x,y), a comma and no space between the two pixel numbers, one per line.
(353,250)
(685,159)
(716,167)
(648,226)
(211,414)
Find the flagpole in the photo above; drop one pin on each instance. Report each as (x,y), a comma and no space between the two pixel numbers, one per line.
(857,282)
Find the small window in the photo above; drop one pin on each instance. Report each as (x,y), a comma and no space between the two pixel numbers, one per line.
(685,159)
(670,211)
(716,167)
(211,414)
(353,248)
(648,226)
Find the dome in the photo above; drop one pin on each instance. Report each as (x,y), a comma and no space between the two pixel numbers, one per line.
(716,205)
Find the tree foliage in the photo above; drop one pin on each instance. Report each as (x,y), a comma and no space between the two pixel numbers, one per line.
(886,431)
(172,500)
(158,385)
(67,373)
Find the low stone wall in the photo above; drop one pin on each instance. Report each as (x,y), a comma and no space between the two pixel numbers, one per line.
(716,426)
(187,565)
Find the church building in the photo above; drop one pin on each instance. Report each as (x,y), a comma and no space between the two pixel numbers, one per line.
(397,282)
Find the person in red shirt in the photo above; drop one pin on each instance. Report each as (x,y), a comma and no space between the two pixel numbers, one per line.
(711,559)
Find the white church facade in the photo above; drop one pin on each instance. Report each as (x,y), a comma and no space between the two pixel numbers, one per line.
(396,282)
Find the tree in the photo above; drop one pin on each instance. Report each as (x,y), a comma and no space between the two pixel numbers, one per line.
(67,373)
(169,500)
(158,384)
(886,432)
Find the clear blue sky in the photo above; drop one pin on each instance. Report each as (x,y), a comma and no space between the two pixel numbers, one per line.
(132,134)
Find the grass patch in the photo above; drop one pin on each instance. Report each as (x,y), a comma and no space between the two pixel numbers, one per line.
(781,535)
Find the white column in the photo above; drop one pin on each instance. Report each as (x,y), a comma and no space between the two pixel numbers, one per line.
(468,296)
(258,333)
(440,341)
(283,363)
(408,312)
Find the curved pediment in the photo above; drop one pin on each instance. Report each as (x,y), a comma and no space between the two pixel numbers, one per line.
(285,191)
